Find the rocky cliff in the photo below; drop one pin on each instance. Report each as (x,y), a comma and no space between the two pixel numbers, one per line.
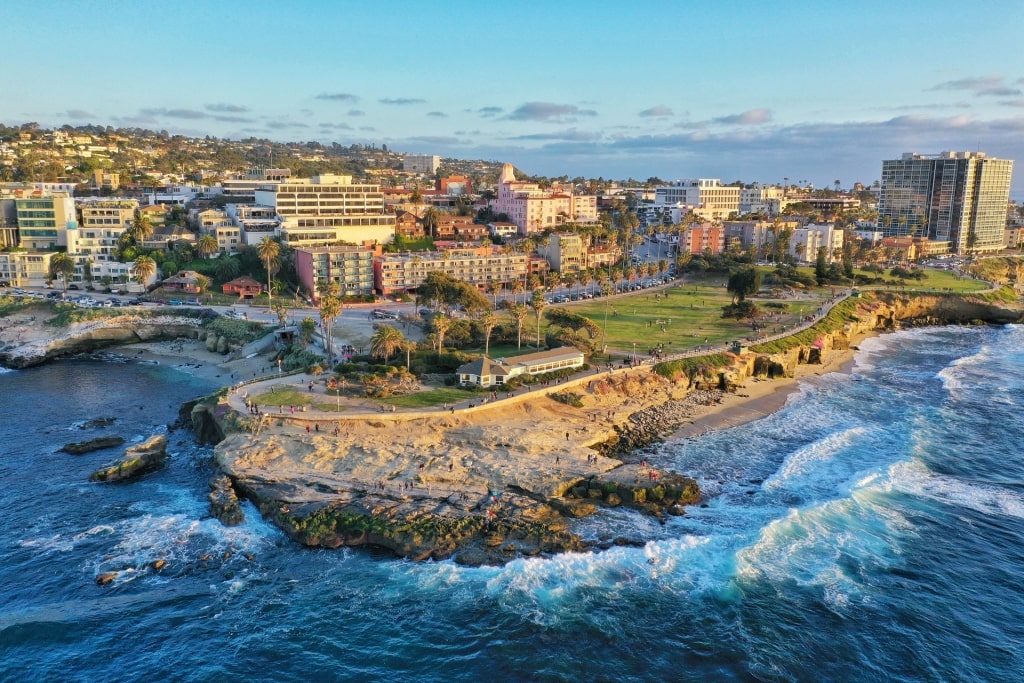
(88,336)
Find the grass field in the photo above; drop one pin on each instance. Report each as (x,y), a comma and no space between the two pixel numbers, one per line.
(289,396)
(426,399)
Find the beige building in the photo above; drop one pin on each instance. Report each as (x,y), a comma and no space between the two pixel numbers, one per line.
(25,268)
(477,265)
(566,253)
(709,198)
(328,209)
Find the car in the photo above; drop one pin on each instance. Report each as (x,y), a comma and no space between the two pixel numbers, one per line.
(174,302)
(193,302)
(73,286)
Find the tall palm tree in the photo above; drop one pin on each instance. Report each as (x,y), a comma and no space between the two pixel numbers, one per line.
(538,303)
(517,287)
(207,246)
(386,342)
(488,321)
(145,268)
(518,313)
(142,228)
(442,324)
(62,266)
(330,309)
(268,251)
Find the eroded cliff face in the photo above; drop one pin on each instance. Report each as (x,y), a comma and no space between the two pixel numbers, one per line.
(883,312)
(88,336)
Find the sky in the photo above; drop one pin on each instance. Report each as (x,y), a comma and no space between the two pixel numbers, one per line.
(756,91)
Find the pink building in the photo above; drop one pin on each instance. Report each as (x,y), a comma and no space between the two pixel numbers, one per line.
(533,209)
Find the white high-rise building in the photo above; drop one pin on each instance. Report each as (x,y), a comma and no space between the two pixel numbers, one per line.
(328,209)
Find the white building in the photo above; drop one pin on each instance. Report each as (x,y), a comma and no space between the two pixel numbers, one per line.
(421,163)
(759,198)
(806,241)
(327,209)
(710,198)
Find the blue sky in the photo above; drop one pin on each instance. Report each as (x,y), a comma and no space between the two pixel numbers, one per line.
(750,91)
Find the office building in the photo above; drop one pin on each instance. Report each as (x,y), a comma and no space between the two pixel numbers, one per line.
(708,197)
(421,163)
(954,197)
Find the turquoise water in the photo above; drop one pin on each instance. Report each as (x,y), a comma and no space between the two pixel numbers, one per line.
(873,530)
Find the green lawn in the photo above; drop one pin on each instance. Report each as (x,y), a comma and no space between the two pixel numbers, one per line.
(426,399)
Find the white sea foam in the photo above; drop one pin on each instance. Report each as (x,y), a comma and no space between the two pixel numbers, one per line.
(915,479)
(806,460)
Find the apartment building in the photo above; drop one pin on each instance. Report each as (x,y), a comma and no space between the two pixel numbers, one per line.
(955,197)
(421,163)
(805,242)
(25,268)
(533,209)
(755,234)
(566,253)
(44,218)
(708,197)
(328,209)
(701,238)
(254,222)
(351,267)
(404,272)
(759,198)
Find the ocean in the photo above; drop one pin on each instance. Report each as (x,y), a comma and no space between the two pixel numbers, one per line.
(871,530)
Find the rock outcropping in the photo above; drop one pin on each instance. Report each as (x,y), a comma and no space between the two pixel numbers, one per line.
(99,443)
(88,336)
(137,460)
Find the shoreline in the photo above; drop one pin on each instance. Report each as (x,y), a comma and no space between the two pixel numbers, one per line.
(763,397)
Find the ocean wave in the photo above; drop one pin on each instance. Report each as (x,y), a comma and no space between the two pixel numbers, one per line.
(803,462)
(915,479)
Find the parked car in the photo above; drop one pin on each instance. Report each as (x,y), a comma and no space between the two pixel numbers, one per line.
(193,302)
(73,286)
(174,302)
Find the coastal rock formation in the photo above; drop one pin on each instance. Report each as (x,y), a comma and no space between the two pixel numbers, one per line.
(224,503)
(99,443)
(484,487)
(88,336)
(137,460)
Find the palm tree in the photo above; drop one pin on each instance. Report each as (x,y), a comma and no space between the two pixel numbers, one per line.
(330,309)
(442,324)
(518,313)
(62,266)
(207,246)
(268,251)
(142,228)
(488,321)
(386,342)
(538,303)
(145,268)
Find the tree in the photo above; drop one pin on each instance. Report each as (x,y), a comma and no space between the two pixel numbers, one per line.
(518,313)
(488,322)
(744,282)
(330,309)
(62,266)
(306,329)
(538,303)
(386,342)
(227,269)
(442,324)
(207,246)
(202,282)
(145,268)
(142,228)
(268,250)
(821,267)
